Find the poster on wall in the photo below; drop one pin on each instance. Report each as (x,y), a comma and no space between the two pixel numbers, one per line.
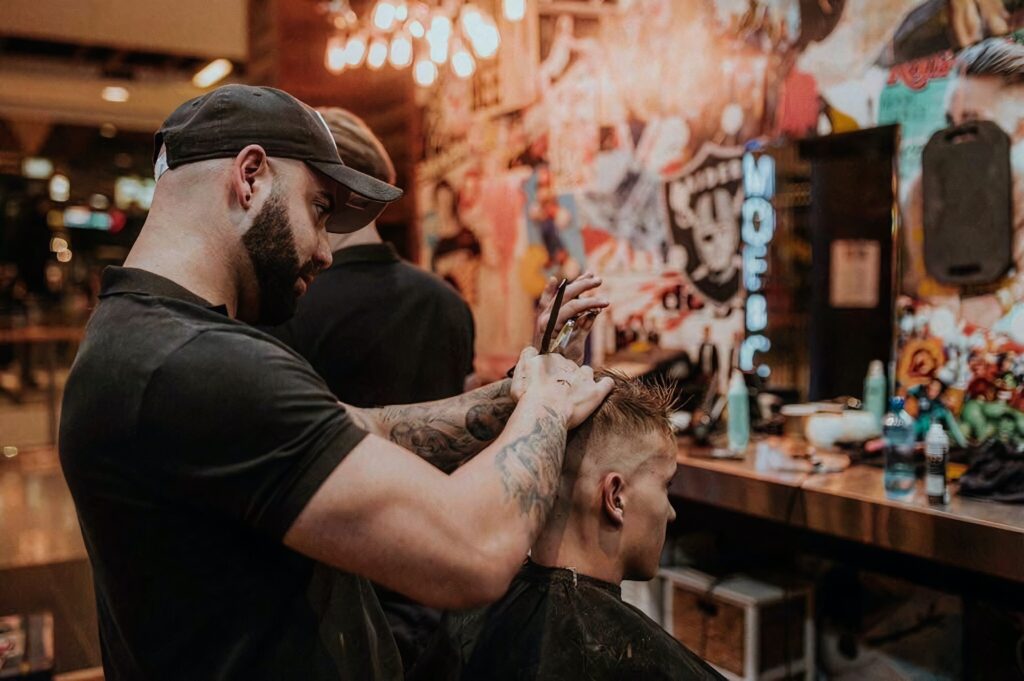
(620,152)
(934,26)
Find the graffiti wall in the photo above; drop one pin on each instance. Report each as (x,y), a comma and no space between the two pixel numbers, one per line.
(611,137)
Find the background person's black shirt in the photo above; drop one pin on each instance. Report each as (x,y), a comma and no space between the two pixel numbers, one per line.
(381,331)
(191,442)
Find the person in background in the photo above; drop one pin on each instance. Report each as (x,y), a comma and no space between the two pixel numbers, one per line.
(367,325)
(368,320)
(563,616)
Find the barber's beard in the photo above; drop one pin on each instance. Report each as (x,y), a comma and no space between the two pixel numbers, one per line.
(275,261)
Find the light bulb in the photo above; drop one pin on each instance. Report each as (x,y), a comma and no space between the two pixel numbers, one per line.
(416,29)
(334,57)
(441,26)
(463,63)
(424,73)
(470,17)
(401,50)
(438,47)
(355,50)
(378,53)
(384,15)
(514,10)
(402,12)
(485,40)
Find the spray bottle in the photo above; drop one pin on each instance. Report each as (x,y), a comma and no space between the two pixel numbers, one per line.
(739,413)
(874,391)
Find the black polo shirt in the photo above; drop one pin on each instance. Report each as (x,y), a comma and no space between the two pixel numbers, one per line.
(191,442)
(381,331)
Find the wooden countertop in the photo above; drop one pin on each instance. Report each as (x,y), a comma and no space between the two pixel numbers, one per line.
(982,536)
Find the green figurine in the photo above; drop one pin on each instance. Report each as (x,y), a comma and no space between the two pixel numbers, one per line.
(986,420)
(931,409)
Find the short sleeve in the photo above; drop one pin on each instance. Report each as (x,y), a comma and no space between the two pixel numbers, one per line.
(237,424)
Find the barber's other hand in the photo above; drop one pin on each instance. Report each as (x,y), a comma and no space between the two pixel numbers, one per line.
(560,384)
(573,305)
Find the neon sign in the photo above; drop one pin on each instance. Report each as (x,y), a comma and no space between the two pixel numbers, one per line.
(758,228)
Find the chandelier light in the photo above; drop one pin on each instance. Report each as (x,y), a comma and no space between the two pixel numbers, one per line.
(425,36)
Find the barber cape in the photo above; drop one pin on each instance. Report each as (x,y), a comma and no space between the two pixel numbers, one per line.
(555,624)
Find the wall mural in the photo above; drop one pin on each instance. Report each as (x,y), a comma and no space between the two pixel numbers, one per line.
(618,149)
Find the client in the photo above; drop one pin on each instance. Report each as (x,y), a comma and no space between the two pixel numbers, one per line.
(563,616)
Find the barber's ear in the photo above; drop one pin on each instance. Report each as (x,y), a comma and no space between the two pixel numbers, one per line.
(247,171)
(612,498)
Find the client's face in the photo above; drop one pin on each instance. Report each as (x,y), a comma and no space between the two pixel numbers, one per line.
(647,510)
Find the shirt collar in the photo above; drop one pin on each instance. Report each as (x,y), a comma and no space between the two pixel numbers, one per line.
(365,253)
(119,280)
(542,573)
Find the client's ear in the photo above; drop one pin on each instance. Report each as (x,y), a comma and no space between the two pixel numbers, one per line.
(612,501)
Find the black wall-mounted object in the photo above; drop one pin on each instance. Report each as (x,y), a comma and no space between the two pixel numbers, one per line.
(968,224)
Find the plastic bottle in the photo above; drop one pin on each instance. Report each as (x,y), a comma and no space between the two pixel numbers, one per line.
(739,413)
(936,454)
(874,391)
(898,431)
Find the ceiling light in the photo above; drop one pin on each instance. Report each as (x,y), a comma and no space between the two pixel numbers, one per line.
(60,188)
(401,50)
(425,73)
(115,93)
(514,10)
(212,73)
(36,168)
(378,53)
(334,58)
(355,50)
(463,63)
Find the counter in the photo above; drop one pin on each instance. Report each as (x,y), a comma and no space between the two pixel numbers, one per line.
(984,537)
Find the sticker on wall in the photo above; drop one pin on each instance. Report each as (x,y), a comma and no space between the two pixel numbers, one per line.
(555,246)
(704,205)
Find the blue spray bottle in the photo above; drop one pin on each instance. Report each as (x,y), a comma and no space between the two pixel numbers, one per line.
(739,413)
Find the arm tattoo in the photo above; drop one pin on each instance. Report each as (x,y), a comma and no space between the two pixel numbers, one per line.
(530,467)
(449,432)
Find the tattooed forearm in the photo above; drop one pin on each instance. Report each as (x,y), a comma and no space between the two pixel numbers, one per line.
(449,432)
(530,467)
(486,421)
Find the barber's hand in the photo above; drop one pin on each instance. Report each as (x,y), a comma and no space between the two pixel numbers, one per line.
(560,384)
(573,305)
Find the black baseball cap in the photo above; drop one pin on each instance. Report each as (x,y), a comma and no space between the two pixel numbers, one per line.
(222,122)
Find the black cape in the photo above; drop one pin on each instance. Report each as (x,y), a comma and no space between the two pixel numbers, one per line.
(556,624)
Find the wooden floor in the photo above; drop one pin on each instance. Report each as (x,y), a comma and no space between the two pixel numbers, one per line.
(43,564)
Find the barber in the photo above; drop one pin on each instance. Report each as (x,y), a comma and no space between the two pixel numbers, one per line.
(212,469)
